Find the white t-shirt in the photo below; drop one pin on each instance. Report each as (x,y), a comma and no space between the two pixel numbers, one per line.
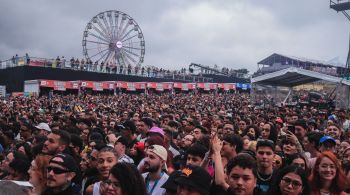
(155,185)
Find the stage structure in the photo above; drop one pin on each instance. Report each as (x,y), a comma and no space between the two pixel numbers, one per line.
(277,88)
(343,6)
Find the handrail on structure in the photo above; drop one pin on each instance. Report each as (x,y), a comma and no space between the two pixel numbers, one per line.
(145,71)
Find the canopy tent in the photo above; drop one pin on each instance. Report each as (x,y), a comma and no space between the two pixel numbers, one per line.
(273,86)
(294,76)
(294,60)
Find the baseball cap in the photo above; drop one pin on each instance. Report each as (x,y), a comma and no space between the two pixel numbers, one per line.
(140,146)
(301,123)
(327,138)
(43,126)
(279,120)
(130,126)
(123,141)
(170,184)
(68,162)
(195,177)
(265,142)
(158,130)
(159,151)
(86,121)
(333,118)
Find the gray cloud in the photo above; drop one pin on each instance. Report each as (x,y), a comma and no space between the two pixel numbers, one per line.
(228,33)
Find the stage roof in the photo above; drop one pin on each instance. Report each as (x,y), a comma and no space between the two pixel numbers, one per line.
(294,76)
(289,60)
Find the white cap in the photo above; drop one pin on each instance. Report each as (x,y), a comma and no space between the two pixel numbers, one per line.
(43,126)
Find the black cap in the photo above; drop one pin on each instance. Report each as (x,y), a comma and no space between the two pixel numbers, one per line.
(147,121)
(301,122)
(195,177)
(265,142)
(85,121)
(123,141)
(130,126)
(68,162)
(170,184)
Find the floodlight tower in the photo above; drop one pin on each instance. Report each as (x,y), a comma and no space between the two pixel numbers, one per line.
(343,6)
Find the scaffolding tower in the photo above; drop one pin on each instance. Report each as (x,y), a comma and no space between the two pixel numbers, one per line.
(343,6)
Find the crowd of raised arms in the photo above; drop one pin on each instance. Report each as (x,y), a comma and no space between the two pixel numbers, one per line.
(187,144)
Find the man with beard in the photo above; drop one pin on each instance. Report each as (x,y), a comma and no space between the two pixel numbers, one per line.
(57,142)
(155,177)
(60,172)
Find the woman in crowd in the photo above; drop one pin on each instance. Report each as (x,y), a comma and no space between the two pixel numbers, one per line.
(299,160)
(269,132)
(291,180)
(124,179)
(345,156)
(252,131)
(288,147)
(37,173)
(327,177)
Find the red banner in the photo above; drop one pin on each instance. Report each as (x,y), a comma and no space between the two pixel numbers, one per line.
(130,86)
(56,85)
(207,86)
(87,84)
(46,83)
(227,86)
(59,85)
(133,86)
(72,84)
(167,86)
(140,85)
(120,84)
(108,85)
(178,85)
(191,86)
(97,86)
(37,62)
(151,85)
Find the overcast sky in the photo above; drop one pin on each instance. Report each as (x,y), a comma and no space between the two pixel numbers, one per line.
(229,33)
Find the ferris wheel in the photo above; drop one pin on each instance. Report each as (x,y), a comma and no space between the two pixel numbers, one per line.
(114,37)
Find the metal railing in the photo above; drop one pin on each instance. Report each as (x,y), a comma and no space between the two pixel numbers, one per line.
(146,71)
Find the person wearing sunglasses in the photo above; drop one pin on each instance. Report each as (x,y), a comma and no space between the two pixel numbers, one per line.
(291,180)
(61,170)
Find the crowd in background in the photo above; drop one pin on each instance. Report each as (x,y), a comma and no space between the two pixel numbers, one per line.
(101,66)
(198,144)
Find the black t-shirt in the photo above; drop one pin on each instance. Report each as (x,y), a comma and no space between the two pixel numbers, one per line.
(69,191)
(265,181)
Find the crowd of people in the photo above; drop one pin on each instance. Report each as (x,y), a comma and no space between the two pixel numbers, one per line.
(155,144)
(93,66)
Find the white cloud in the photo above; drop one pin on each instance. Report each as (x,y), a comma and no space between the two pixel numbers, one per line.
(228,33)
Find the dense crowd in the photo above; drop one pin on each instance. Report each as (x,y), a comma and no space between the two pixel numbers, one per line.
(188,144)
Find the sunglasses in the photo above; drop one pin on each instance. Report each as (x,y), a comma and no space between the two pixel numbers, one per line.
(109,182)
(288,181)
(265,140)
(56,170)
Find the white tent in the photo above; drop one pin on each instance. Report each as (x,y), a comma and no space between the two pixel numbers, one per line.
(294,76)
(269,84)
